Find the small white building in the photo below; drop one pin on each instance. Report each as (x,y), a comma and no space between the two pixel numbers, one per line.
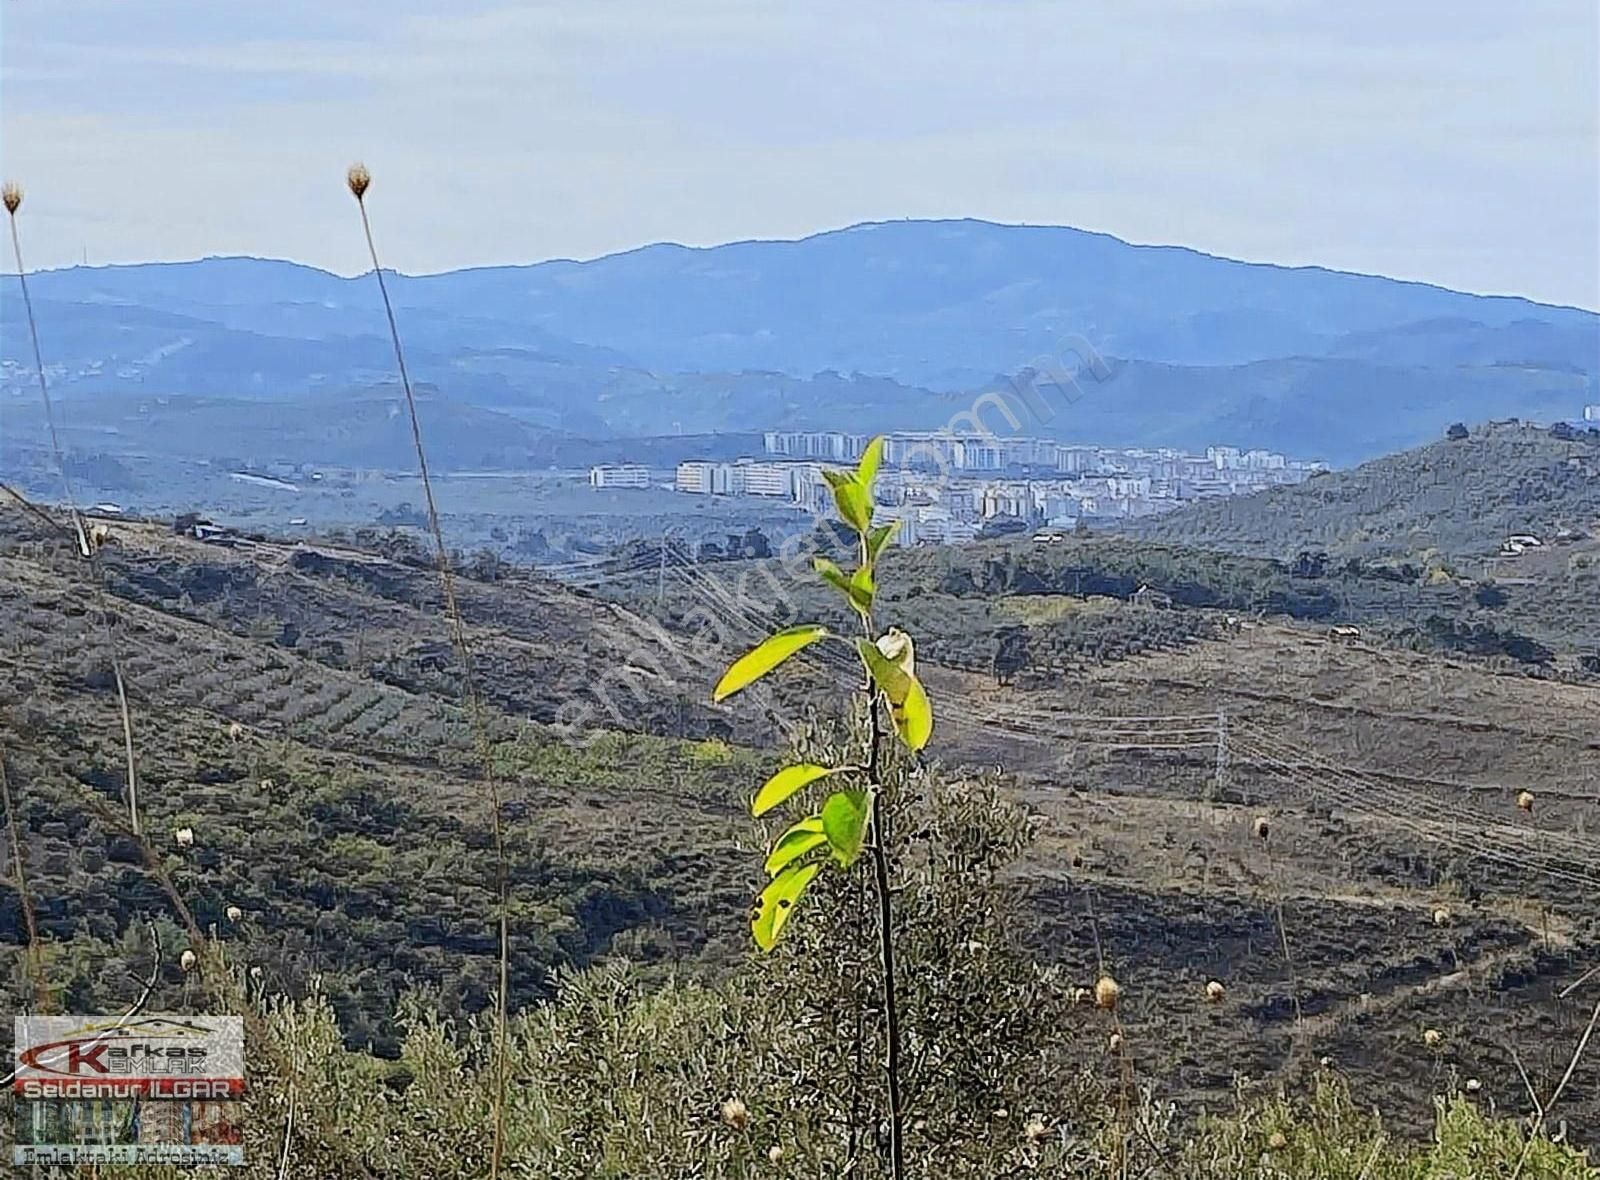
(1224,458)
(1591,413)
(696,477)
(619,475)
(765,479)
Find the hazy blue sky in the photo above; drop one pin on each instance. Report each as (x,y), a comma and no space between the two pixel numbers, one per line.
(1449,141)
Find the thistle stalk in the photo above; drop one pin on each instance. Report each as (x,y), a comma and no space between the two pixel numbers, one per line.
(11,197)
(39,996)
(359,180)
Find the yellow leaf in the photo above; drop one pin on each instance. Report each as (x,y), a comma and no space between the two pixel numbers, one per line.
(772,651)
(786,782)
(867,469)
(913,715)
(799,840)
(777,903)
(854,503)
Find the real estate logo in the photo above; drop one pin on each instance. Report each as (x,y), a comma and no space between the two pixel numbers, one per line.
(153,1088)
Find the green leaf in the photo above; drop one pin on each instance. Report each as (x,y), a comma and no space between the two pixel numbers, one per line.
(913,715)
(798,841)
(888,675)
(844,823)
(777,903)
(871,458)
(786,782)
(879,537)
(771,652)
(857,587)
(830,573)
(854,504)
(862,589)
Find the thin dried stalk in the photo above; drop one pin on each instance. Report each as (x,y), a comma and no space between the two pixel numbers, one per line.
(13,201)
(359,179)
(40,997)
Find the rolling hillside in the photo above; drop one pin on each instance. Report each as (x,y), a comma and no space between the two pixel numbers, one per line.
(1456,498)
(345,816)
(1148,741)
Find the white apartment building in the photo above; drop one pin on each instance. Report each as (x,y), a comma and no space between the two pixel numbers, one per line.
(801,482)
(1059,506)
(1265,461)
(702,478)
(1006,499)
(815,444)
(1591,413)
(932,526)
(811,491)
(1077,460)
(935,449)
(1124,486)
(764,479)
(619,475)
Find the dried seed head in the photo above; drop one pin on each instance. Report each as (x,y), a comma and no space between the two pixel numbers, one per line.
(235,731)
(1525,801)
(898,649)
(1432,1038)
(11,193)
(1082,995)
(1277,1141)
(1002,1112)
(1035,1131)
(235,914)
(1106,993)
(1114,1043)
(1326,1063)
(188,960)
(736,1114)
(358,178)
(1441,917)
(184,837)
(255,974)
(1214,992)
(1473,1085)
(775,1154)
(1262,827)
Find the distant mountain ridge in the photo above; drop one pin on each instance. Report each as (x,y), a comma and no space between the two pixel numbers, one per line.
(1254,353)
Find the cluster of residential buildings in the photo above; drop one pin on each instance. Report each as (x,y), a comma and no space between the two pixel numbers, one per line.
(945,486)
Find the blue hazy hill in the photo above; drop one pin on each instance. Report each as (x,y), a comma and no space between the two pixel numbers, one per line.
(1272,352)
